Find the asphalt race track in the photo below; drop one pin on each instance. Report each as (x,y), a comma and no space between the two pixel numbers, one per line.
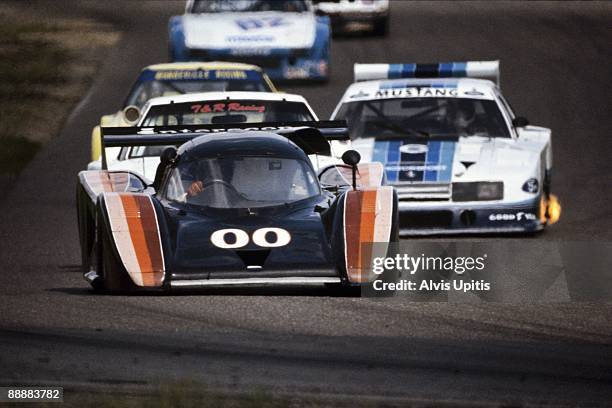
(555,69)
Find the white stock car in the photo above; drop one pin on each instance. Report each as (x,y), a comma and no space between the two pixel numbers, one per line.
(205,108)
(451,145)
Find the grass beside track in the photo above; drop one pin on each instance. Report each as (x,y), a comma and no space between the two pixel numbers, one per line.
(46,65)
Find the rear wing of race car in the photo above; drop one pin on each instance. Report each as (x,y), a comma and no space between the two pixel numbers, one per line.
(472,69)
(311,136)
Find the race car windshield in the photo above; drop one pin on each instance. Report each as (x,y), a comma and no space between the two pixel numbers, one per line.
(153,89)
(241,182)
(226,112)
(423,117)
(222,6)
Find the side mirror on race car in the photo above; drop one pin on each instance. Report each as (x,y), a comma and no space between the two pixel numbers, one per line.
(351,158)
(166,158)
(131,114)
(520,121)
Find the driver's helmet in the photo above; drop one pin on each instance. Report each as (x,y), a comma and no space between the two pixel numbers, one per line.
(465,113)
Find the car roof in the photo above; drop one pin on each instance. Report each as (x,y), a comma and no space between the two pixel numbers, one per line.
(202,65)
(239,142)
(466,87)
(215,96)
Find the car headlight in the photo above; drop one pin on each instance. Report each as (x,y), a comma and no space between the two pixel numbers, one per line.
(531,186)
(478,191)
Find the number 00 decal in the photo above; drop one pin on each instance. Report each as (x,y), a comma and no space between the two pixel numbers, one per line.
(261,237)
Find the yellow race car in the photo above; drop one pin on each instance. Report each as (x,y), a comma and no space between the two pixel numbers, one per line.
(181,78)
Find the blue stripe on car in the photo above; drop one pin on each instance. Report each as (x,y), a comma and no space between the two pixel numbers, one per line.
(393,85)
(459,69)
(393,156)
(432,159)
(380,155)
(439,159)
(395,71)
(401,70)
(405,84)
(441,70)
(178,49)
(380,152)
(445,69)
(447,154)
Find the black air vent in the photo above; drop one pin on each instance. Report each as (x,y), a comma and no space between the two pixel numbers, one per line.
(254,258)
(426,219)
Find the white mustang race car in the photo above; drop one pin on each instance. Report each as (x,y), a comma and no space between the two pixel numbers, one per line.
(459,158)
(206,108)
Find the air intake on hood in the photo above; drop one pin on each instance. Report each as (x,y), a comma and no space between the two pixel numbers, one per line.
(253,259)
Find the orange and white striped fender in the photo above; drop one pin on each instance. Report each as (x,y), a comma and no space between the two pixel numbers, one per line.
(368,218)
(134,227)
(370,174)
(96,182)
(90,184)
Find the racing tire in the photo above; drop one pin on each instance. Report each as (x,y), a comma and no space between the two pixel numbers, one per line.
(381,27)
(337,240)
(87,227)
(546,189)
(113,275)
(343,290)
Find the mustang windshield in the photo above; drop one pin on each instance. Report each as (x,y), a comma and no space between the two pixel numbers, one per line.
(241,182)
(226,112)
(423,117)
(221,6)
(152,89)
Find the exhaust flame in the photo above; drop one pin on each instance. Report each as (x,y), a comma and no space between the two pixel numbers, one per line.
(554,209)
(550,209)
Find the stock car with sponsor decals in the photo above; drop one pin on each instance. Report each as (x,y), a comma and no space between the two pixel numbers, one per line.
(356,15)
(202,109)
(284,37)
(181,78)
(240,206)
(460,159)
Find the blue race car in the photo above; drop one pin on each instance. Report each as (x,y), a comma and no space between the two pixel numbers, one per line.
(284,37)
